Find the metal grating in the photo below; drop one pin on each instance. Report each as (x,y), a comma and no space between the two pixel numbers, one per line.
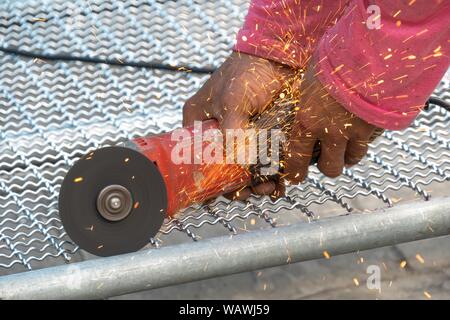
(51,113)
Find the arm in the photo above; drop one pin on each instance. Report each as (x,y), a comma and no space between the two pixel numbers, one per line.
(385,75)
(361,78)
(287,31)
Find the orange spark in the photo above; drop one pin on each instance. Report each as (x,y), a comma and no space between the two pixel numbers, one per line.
(420,259)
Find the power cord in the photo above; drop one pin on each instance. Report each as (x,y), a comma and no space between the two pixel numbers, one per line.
(433,100)
(113,62)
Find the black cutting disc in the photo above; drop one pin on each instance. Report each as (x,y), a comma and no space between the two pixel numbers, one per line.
(98,171)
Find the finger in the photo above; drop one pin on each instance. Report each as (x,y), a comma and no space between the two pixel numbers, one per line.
(280,190)
(241,194)
(233,118)
(331,160)
(264,189)
(356,150)
(202,104)
(298,158)
(196,108)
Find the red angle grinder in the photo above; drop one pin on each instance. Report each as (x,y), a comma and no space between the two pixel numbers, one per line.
(114,199)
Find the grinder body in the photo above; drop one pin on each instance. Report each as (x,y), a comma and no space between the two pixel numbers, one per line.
(194,180)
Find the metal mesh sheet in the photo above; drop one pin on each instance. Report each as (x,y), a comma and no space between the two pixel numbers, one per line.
(51,113)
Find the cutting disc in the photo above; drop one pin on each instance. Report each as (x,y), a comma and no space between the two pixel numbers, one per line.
(112,201)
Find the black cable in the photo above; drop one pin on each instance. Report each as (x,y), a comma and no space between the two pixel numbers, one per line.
(152,65)
(113,62)
(439,102)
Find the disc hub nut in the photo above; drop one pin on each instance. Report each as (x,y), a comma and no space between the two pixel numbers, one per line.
(114,202)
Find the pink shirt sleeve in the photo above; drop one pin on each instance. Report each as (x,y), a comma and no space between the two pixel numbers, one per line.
(287,31)
(383,75)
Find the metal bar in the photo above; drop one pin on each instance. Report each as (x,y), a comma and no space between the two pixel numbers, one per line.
(149,269)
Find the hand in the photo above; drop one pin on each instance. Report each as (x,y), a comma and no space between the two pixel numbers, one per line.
(243,86)
(343,136)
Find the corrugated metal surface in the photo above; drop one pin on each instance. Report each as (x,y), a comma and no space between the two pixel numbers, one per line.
(53,112)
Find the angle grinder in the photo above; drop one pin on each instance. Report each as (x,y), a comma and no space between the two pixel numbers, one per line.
(114,199)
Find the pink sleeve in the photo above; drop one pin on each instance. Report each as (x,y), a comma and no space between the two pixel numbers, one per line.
(287,31)
(385,75)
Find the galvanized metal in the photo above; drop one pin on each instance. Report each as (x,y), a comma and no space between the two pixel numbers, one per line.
(156,268)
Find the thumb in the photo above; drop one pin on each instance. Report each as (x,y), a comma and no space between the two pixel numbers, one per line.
(196,109)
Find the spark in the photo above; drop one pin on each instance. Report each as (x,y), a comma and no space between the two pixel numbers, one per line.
(326,254)
(420,258)
(127,159)
(77,180)
(356,282)
(422,32)
(184,69)
(401,77)
(397,13)
(39,19)
(37,60)
(407,39)
(337,68)
(411,57)
(427,294)
(136,205)
(403,264)
(435,55)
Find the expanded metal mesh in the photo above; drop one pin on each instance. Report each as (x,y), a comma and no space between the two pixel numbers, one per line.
(51,113)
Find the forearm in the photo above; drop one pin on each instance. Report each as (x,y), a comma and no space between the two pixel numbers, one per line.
(385,75)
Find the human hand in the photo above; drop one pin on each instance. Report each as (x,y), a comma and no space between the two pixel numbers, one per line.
(243,86)
(343,137)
